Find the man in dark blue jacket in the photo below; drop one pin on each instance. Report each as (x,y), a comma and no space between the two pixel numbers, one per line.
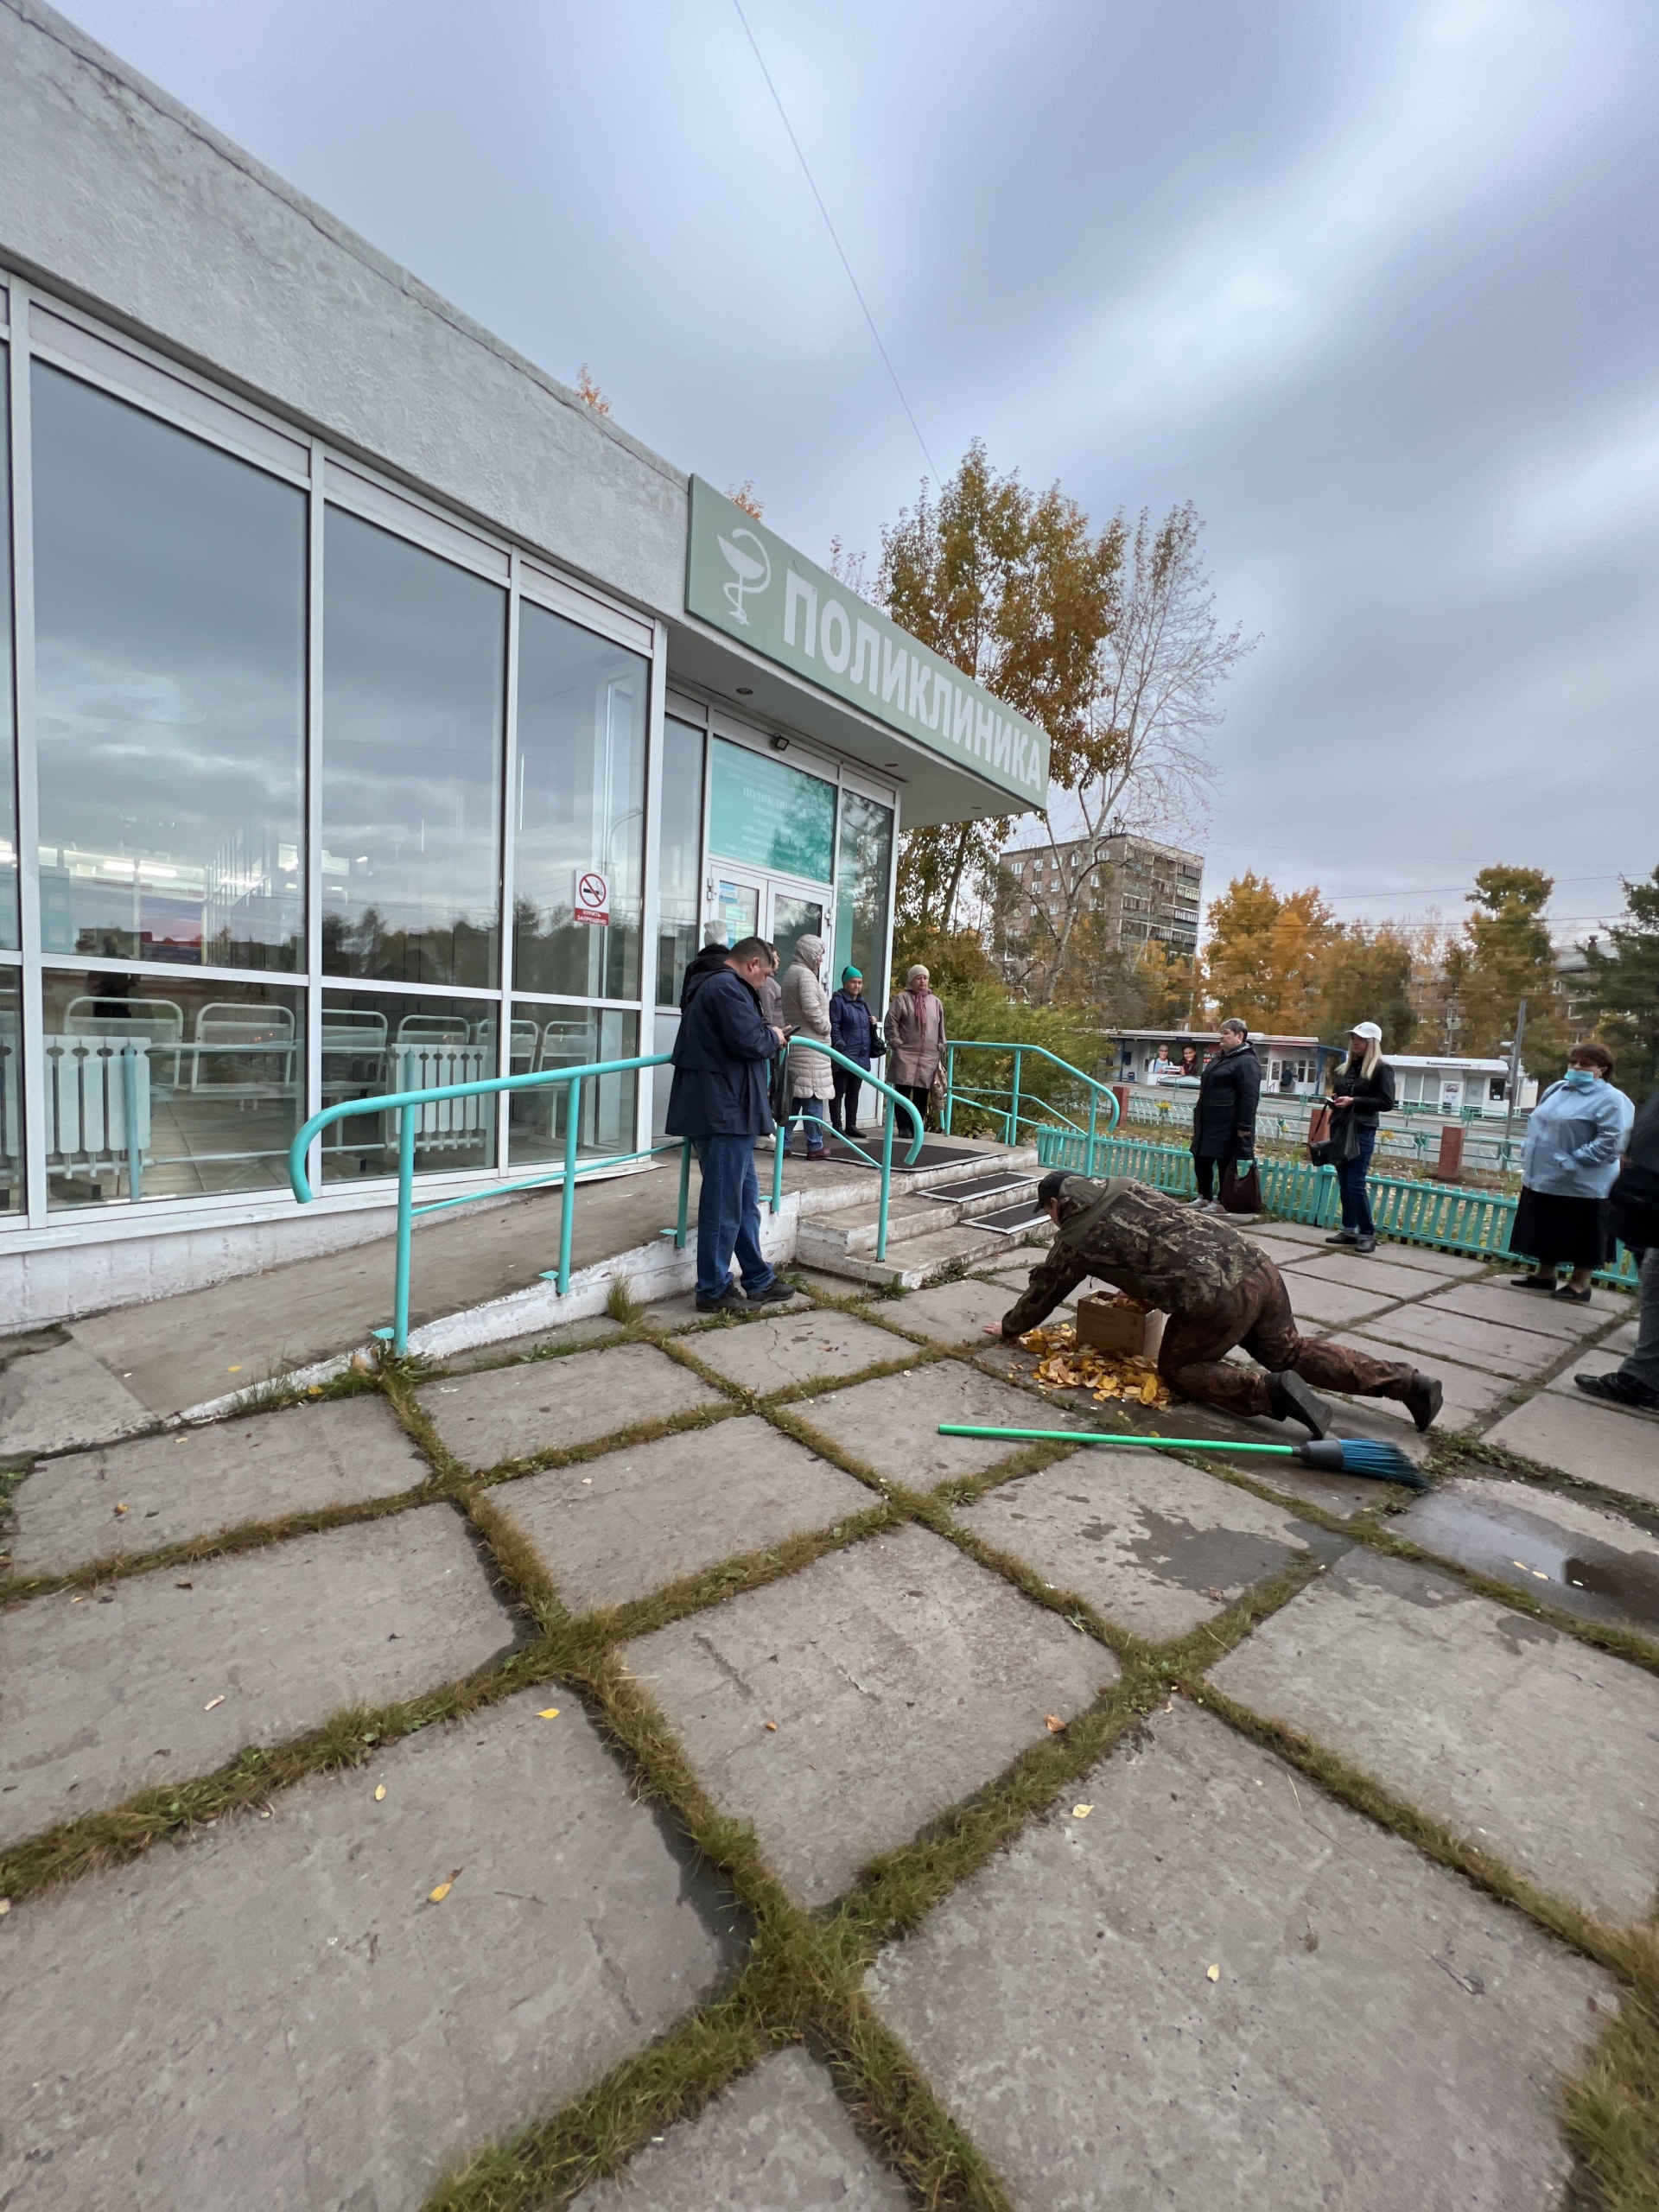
(853,1031)
(721,1057)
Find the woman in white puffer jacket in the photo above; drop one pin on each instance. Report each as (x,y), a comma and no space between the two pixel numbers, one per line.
(806,1008)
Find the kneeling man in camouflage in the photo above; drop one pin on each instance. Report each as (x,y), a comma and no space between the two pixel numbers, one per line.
(1217,1290)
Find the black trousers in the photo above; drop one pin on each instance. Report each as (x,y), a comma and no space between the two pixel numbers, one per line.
(1204,1172)
(844,1107)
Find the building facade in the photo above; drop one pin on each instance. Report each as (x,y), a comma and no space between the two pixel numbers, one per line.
(373,714)
(1141,893)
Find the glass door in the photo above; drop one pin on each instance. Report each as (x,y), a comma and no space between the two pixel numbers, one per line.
(793,916)
(749,904)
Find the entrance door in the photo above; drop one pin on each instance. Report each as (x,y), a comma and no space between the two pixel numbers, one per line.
(770,906)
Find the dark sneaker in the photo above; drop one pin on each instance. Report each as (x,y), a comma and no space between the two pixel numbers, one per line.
(1568,1296)
(776,1292)
(1423,1400)
(1533,1282)
(731,1301)
(1364,1244)
(1344,1237)
(1291,1399)
(1620,1389)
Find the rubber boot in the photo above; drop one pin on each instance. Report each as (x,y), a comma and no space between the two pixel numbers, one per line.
(1423,1399)
(1291,1399)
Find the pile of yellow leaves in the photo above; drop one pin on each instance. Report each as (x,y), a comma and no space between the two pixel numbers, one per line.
(1064,1364)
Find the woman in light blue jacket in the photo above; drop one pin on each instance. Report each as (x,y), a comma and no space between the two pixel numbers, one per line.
(1574,1138)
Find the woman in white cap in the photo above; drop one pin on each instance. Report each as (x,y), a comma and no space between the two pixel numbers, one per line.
(1361,1086)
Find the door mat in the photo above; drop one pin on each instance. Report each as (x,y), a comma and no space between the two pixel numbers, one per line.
(1009,1221)
(977,1187)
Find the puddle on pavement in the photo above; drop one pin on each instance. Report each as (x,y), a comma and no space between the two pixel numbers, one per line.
(1507,1532)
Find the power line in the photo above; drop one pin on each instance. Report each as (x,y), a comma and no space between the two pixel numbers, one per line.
(835,237)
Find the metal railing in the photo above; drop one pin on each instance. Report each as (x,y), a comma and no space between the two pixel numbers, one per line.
(1023,1104)
(894,1098)
(1447,1216)
(410,1107)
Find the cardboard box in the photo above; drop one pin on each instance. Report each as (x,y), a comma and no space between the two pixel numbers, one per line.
(1109,1323)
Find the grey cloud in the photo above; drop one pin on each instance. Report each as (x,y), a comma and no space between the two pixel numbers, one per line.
(1374,286)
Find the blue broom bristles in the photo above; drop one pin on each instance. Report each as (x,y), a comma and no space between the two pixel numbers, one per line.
(1363,1455)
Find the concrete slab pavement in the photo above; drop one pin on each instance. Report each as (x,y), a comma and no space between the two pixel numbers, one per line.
(514,1412)
(1154,1545)
(1377,1277)
(1509,1308)
(61,1398)
(953,1312)
(1377,2033)
(1524,1740)
(898,1677)
(1320,1306)
(804,1347)
(193,1482)
(892,1424)
(1473,1343)
(162,1677)
(615,1527)
(276,2015)
(1592,1443)
(779,2140)
(1578,1556)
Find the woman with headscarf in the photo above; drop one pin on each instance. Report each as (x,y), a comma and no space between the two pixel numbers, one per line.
(806,1010)
(914,1029)
(1361,1086)
(1568,1165)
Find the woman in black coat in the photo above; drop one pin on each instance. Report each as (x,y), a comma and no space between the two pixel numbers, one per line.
(1363,1087)
(1223,1119)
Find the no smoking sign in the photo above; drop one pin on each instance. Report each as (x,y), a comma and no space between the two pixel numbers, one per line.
(592,900)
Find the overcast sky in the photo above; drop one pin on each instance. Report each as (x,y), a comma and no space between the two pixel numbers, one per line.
(1376,287)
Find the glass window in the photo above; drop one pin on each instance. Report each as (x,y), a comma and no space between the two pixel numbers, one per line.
(413,687)
(168,1086)
(12,1094)
(571,1037)
(861,891)
(763,812)
(8,937)
(579,808)
(373,1043)
(681,858)
(170,609)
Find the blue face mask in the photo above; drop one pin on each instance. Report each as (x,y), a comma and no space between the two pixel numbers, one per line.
(1579,1079)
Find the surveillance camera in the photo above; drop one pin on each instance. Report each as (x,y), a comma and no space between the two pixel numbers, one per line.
(780,745)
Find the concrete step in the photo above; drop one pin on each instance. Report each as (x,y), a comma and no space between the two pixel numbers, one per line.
(921,1260)
(856,1228)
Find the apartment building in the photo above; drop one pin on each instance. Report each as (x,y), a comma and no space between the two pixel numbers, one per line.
(1144,893)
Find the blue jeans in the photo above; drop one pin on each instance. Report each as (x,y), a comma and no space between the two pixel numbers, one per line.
(728,1216)
(1351,1180)
(813,1109)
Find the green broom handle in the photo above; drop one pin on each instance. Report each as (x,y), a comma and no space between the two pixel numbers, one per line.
(1085,1436)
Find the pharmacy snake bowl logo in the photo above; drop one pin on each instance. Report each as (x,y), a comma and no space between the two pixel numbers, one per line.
(749,574)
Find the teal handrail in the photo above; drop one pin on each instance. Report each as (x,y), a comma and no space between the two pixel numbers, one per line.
(893,1098)
(404,1103)
(988,1100)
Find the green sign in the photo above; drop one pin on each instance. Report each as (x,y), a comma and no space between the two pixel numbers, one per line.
(746,580)
(773,817)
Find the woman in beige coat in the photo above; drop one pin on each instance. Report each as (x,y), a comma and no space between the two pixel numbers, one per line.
(806,1008)
(915,1033)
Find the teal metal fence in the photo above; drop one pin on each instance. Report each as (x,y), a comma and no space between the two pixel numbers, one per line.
(1477,1222)
(895,1100)
(1006,1094)
(407,1106)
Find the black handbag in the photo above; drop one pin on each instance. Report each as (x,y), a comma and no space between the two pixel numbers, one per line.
(1339,1143)
(1241,1194)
